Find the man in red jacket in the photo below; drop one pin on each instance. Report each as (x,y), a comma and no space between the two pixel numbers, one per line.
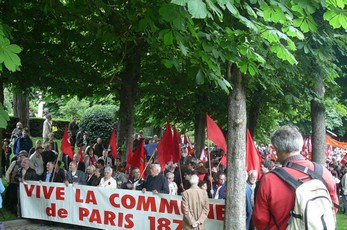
(275,198)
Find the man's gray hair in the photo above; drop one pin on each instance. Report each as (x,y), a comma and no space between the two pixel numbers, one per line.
(287,139)
(108,169)
(194,180)
(156,166)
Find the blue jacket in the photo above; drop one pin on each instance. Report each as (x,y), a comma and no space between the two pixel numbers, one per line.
(2,189)
(23,143)
(249,209)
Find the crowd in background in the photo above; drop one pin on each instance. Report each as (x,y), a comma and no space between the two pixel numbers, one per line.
(93,165)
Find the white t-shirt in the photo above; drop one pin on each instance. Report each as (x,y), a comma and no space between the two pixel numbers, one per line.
(173,188)
(110,183)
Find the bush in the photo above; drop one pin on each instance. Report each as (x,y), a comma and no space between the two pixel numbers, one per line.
(36,126)
(70,109)
(99,121)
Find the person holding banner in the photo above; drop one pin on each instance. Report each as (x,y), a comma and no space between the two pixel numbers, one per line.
(136,182)
(108,181)
(74,176)
(195,206)
(156,182)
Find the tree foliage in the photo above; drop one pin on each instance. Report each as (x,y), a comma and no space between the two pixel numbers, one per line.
(70,108)
(99,121)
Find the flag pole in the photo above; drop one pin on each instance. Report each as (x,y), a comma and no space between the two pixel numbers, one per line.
(179,169)
(144,170)
(220,161)
(209,160)
(55,166)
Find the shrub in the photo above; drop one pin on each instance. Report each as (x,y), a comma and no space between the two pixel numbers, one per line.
(99,121)
(74,107)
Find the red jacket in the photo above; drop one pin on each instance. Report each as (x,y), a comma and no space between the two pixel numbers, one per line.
(275,198)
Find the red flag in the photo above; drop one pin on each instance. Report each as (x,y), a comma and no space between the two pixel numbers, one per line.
(203,155)
(214,133)
(344,160)
(307,148)
(65,147)
(188,145)
(80,151)
(139,157)
(253,157)
(176,154)
(113,144)
(165,147)
(130,154)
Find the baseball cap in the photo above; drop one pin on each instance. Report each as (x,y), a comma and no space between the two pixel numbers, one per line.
(23,153)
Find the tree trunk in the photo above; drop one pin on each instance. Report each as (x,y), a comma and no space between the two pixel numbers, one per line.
(2,103)
(318,121)
(21,108)
(128,96)
(235,211)
(199,132)
(254,111)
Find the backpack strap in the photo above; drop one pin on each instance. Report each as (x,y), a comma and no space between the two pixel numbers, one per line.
(316,174)
(294,183)
(286,177)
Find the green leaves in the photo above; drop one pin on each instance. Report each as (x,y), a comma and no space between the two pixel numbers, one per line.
(168,38)
(336,17)
(248,67)
(4,118)
(293,32)
(306,23)
(200,77)
(180,2)
(283,53)
(197,8)
(273,13)
(8,54)
(336,3)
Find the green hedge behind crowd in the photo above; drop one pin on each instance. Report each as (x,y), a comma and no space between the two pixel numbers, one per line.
(36,125)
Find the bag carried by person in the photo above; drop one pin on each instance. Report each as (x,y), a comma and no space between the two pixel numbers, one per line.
(313,208)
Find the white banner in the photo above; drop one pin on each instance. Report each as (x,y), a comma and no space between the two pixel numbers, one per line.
(108,208)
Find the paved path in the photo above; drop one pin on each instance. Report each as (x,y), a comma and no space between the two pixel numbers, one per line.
(28,224)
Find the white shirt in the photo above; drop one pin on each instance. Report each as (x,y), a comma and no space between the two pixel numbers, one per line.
(110,183)
(344,184)
(36,163)
(173,188)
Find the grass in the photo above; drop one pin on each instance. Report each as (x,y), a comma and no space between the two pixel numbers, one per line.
(341,220)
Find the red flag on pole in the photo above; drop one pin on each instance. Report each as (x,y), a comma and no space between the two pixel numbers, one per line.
(188,145)
(203,155)
(113,144)
(80,151)
(139,157)
(130,154)
(214,133)
(176,154)
(253,157)
(344,160)
(66,147)
(165,147)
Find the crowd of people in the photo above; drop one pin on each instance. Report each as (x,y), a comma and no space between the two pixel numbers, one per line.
(96,167)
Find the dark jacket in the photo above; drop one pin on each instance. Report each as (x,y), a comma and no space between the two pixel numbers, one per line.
(158,183)
(79,177)
(91,180)
(29,175)
(59,177)
(96,181)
